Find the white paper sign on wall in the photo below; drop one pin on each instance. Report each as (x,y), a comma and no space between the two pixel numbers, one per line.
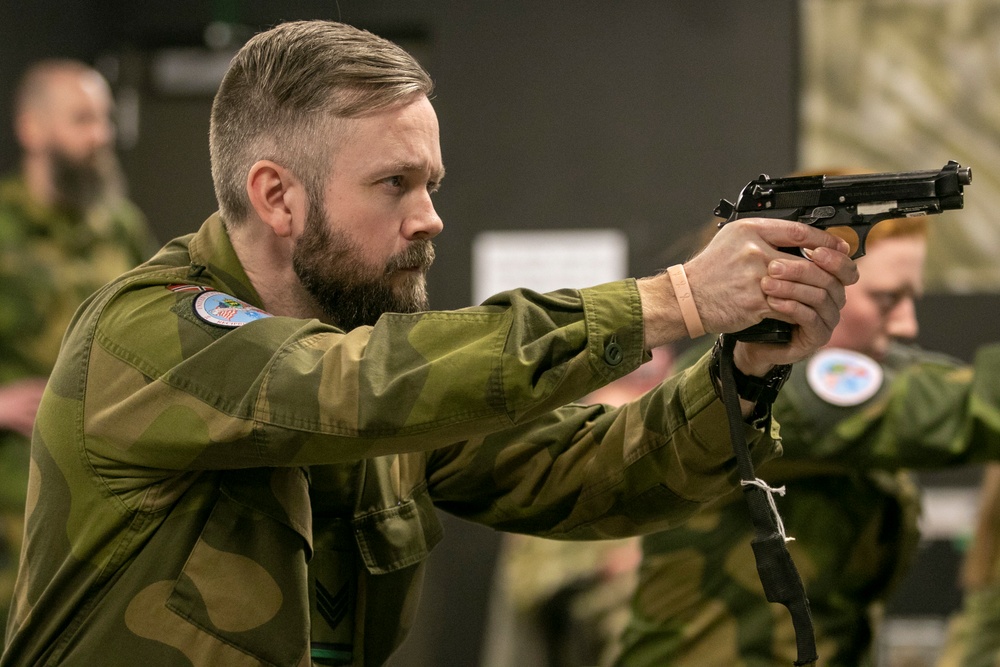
(546,260)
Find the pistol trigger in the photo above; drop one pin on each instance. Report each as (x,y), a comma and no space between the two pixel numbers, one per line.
(862,233)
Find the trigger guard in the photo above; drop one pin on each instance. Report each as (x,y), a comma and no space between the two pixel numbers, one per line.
(794,250)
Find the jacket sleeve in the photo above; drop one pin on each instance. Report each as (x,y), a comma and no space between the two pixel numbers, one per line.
(595,472)
(165,389)
(932,412)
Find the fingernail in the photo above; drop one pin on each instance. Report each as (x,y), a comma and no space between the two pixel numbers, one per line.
(776,268)
(768,284)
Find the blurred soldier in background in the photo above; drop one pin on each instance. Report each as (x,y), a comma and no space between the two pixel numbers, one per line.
(853,417)
(65,230)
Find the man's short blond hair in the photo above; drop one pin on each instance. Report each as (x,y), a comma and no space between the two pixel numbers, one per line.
(283,92)
(33,87)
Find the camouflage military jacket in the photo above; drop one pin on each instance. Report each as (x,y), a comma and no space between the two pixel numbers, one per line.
(214,495)
(50,261)
(849,507)
(972,639)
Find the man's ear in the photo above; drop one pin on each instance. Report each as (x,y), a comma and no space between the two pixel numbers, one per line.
(277,196)
(29,132)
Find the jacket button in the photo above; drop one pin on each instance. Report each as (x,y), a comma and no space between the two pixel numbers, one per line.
(613,354)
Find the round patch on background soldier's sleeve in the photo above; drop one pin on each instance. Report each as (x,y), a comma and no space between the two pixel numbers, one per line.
(226,311)
(844,377)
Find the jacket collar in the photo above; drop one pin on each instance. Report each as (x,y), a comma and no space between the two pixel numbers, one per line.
(213,258)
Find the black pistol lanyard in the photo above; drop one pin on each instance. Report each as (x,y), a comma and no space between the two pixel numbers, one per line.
(775,568)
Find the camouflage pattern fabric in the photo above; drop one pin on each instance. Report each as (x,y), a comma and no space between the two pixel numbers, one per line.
(974,634)
(50,261)
(209,495)
(973,638)
(849,507)
(559,603)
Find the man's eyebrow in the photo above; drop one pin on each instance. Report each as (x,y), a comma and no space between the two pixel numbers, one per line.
(437,173)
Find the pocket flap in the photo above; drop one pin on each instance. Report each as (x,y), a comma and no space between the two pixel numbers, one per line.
(397,537)
(287,501)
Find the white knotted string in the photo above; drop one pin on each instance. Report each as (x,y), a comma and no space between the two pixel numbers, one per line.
(770,490)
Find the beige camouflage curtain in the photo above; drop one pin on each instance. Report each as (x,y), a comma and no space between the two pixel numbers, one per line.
(894,85)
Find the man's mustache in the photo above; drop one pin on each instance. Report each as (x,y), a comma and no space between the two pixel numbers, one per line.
(420,254)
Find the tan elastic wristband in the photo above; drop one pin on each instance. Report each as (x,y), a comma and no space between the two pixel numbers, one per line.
(682,290)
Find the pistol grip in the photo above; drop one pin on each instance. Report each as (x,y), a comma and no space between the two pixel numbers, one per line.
(766,331)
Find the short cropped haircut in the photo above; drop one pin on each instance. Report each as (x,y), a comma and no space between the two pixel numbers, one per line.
(34,84)
(282,93)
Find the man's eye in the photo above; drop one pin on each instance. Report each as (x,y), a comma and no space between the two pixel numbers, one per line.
(395,181)
(886,301)
(433,186)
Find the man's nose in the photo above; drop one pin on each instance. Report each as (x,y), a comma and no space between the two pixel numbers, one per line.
(424,223)
(903,322)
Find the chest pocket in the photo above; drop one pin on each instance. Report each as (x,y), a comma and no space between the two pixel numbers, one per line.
(244,582)
(394,523)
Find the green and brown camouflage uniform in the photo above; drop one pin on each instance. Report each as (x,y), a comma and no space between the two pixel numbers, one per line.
(264,495)
(849,506)
(50,261)
(974,633)
(973,638)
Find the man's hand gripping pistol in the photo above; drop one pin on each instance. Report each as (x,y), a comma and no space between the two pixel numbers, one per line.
(856,202)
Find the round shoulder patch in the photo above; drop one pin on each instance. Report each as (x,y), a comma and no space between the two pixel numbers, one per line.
(226,311)
(844,377)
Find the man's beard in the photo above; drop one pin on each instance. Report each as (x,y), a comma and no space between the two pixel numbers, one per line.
(349,292)
(82,184)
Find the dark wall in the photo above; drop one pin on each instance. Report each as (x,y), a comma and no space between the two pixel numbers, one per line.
(573,115)
(45,28)
(637,116)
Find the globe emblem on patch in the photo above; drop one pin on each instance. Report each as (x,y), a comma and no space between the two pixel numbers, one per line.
(226,311)
(844,377)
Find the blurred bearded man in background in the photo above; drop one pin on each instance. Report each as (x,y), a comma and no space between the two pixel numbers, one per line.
(66,228)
